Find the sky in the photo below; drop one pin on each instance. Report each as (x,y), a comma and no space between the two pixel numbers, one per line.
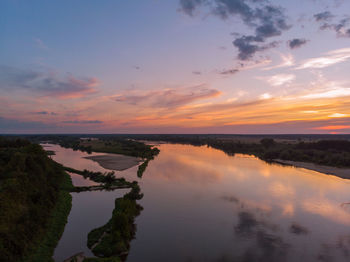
(175,66)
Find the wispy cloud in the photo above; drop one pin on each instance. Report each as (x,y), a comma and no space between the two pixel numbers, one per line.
(287,60)
(40,44)
(338,115)
(328,59)
(167,98)
(46,83)
(332,92)
(278,80)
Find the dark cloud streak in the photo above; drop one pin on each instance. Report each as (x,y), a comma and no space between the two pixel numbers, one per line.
(324,16)
(189,6)
(83,122)
(340,27)
(296,43)
(229,72)
(44,113)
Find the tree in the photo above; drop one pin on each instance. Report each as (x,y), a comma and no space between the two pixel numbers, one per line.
(267,142)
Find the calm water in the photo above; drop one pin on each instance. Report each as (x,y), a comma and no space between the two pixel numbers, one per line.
(202,205)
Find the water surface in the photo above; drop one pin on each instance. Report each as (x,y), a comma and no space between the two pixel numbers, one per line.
(203,205)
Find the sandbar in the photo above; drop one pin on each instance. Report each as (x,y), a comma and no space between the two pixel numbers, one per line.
(115,161)
(328,170)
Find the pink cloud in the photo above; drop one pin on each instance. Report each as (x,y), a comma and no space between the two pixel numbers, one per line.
(168,98)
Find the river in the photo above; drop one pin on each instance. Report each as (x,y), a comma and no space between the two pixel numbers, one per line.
(203,205)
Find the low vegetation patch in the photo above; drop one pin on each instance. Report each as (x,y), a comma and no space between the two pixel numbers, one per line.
(142,168)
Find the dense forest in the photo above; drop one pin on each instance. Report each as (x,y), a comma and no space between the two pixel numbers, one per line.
(34,202)
(318,149)
(324,152)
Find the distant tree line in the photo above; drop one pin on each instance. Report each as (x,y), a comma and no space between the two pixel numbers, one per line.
(330,152)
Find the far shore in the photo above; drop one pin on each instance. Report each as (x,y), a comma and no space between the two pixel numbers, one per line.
(115,161)
(328,170)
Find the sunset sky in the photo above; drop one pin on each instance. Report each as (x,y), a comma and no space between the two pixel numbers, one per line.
(175,66)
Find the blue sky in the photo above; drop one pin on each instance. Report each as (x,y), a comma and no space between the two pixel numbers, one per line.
(174,66)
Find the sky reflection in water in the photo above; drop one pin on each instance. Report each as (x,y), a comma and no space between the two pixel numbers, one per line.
(203,205)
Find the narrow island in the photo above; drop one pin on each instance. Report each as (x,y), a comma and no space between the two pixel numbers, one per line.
(113,238)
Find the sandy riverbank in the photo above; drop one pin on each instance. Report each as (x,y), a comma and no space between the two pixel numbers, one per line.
(339,172)
(115,162)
